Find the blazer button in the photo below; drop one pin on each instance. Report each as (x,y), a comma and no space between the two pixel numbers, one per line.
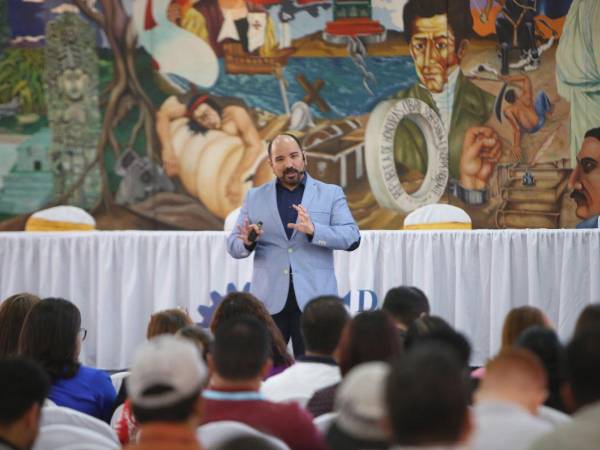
(286,271)
(290,250)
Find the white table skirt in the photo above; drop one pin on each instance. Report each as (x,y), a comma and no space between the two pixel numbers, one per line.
(472,278)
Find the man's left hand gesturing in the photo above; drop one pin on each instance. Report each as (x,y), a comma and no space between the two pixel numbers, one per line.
(304,224)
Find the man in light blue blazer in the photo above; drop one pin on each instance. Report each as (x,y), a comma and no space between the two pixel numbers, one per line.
(303,221)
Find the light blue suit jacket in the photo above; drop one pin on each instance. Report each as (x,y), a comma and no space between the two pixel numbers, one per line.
(311,262)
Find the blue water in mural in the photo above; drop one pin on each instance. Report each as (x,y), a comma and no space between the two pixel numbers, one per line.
(343,89)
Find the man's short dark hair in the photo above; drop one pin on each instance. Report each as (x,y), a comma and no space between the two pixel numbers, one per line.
(583,367)
(241,347)
(405,304)
(458,12)
(427,397)
(284,134)
(23,384)
(593,133)
(322,323)
(179,411)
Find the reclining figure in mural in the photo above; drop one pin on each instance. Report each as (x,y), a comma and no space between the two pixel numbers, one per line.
(585,180)
(437,34)
(525,113)
(214,150)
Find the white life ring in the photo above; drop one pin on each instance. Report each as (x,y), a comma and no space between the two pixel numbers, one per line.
(380,161)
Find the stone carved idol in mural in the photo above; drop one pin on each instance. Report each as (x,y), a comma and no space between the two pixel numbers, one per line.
(215,150)
(71,83)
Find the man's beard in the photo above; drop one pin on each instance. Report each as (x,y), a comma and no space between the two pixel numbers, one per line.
(291,170)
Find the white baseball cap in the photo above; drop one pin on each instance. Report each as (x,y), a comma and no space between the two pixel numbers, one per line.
(166,361)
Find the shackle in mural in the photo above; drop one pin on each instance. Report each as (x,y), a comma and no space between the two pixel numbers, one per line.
(379,154)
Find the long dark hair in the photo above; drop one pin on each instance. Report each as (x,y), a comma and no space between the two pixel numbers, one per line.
(13,311)
(237,304)
(49,336)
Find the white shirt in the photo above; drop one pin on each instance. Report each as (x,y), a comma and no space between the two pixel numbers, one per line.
(502,425)
(445,100)
(300,381)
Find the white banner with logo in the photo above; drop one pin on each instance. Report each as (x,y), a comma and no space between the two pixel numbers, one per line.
(472,278)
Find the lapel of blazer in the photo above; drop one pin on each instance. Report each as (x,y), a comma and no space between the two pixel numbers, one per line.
(310,190)
(272,206)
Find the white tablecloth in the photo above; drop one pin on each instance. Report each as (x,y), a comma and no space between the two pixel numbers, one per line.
(473,278)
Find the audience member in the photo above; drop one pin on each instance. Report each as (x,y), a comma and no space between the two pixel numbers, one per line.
(405,304)
(321,325)
(23,390)
(200,338)
(239,361)
(165,388)
(361,410)
(588,319)
(236,304)
(424,326)
(168,321)
(369,336)
(12,315)
(546,345)
(508,400)
(583,395)
(518,320)
(52,336)
(426,399)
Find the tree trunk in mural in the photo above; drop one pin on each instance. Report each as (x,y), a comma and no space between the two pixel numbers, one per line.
(124,92)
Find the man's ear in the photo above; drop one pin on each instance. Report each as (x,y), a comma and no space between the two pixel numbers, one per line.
(210,362)
(467,428)
(462,49)
(33,416)
(568,398)
(266,368)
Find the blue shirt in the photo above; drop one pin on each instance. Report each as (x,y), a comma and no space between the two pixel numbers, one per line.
(90,391)
(285,201)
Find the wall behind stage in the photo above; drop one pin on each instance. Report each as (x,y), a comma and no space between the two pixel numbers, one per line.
(155,114)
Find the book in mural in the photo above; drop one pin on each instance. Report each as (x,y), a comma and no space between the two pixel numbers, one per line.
(157,114)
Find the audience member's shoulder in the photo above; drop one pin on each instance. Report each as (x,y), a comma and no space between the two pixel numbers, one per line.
(93,374)
(551,441)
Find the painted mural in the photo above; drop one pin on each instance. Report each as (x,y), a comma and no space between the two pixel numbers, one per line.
(156,114)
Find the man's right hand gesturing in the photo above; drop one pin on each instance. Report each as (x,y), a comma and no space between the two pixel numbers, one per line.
(244,230)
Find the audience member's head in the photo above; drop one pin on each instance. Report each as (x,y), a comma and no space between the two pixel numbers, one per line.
(427,398)
(12,315)
(544,343)
(200,338)
(583,369)
(446,335)
(360,405)
(236,304)
(166,381)
(322,323)
(588,319)
(248,443)
(405,304)
(23,389)
(241,351)
(52,336)
(518,320)
(168,321)
(369,336)
(516,376)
